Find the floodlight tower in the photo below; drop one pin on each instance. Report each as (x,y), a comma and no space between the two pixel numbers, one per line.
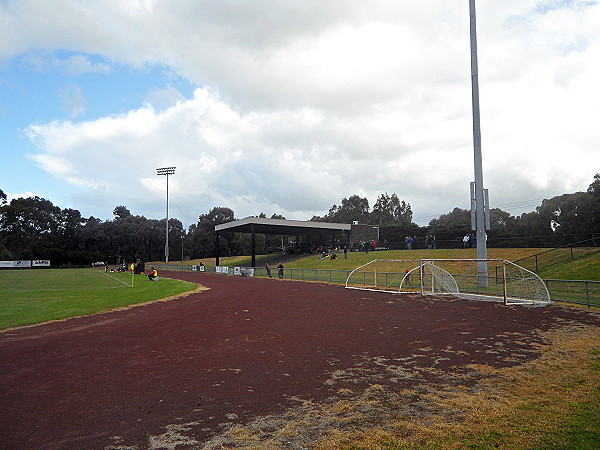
(478,193)
(166,171)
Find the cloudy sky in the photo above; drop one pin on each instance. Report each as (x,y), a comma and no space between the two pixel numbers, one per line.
(288,106)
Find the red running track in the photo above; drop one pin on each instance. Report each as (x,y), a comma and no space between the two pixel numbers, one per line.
(242,349)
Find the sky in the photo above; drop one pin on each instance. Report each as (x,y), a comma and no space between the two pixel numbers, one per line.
(286,107)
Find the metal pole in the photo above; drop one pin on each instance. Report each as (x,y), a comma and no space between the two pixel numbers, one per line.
(504,281)
(482,269)
(167,225)
(166,171)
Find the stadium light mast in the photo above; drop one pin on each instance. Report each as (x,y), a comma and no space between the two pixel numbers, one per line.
(478,193)
(166,171)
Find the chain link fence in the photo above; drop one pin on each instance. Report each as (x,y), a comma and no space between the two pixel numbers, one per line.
(581,292)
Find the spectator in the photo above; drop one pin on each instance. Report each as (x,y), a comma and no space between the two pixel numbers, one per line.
(466,240)
(153,275)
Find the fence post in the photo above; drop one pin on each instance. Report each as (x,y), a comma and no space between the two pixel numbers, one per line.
(504,281)
(587,293)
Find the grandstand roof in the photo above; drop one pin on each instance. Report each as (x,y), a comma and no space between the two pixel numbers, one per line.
(280,226)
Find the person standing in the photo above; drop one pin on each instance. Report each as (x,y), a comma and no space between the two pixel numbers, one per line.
(280,270)
(268,269)
(466,240)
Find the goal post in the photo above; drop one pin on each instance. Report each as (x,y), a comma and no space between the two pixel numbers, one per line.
(386,275)
(506,281)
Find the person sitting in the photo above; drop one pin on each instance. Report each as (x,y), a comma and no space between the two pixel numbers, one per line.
(153,275)
(333,256)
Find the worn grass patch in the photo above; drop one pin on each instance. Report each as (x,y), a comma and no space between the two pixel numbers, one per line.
(550,402)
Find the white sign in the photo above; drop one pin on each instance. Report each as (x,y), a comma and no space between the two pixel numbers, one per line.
(41,263)
(16,264)
(247,272)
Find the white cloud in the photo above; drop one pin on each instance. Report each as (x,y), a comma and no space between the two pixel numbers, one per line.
(10,196)
(303,103)
(80,64)
(73,100)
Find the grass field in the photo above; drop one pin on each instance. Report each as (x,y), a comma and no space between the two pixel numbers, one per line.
(35,296)
(583,268)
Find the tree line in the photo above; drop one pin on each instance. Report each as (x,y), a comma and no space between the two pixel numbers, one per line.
(34,228)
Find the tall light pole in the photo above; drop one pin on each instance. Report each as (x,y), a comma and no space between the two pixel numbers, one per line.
(478,195)
(166,171)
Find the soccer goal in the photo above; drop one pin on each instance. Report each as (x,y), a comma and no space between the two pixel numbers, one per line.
(496,280)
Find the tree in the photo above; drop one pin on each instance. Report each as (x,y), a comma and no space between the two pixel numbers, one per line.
(352,209)
(2,197)
(401,211)
(29,225)
(121,212)
(69,222)
(382,211)
(451,226)
(594,193)
(202,234)
(594,188)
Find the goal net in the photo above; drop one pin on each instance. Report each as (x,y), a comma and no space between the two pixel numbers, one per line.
(480,279)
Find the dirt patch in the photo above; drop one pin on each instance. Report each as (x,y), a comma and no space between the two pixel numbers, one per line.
(427,412)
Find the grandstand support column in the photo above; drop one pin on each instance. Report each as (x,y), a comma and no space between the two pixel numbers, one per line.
(482,269)
(217,249)
(253,244)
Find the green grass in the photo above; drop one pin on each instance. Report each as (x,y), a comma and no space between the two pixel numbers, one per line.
(587,267)
(584,268)
(35,296)
(356,259)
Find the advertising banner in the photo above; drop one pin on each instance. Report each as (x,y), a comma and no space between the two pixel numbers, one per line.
(247,272)
(40,263)
(15,264)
